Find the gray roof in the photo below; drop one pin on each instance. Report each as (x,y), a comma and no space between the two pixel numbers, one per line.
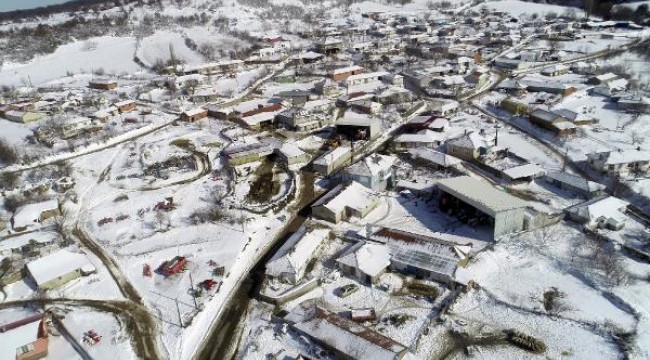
(480,195)
(544,115)
(575,181)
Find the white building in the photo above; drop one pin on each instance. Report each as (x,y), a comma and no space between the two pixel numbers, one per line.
(291,260)
(58,268)
(33,214)
(343,202)
(605,212)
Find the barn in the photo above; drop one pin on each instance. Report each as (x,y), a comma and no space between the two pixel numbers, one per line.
(481,205)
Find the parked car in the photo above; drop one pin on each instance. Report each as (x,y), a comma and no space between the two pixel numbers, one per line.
(347,290)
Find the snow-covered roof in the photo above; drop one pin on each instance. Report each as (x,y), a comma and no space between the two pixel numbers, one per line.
(347,69)
(123,103)
(194,112)
(354,196)
(28,214)
(480,195)
(16,337)
(426,137)
(436,157)
(575,180)
(371,75)
(471,140)
(291,150)
(572,115)
(373,165)
(621,157)
(296,252)
(348,337)
(604,207)
(519,172)
(372,259)
(332,156)
(58,264)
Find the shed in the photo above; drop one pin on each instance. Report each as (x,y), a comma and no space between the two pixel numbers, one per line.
(480,204)
(527,172)
(345,201)
(58,268)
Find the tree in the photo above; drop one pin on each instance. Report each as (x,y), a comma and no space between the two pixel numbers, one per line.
(588,6)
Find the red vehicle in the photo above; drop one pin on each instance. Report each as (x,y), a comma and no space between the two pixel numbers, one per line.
(208,284)
(174,265)
(91,337)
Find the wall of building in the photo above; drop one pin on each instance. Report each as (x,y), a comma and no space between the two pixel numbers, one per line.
(323,213)
(60,280)
(507,222)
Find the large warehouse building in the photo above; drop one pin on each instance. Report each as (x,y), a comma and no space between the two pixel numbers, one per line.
(479,204)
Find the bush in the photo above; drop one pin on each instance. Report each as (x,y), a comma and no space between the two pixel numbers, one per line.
(208,214)
(7,153)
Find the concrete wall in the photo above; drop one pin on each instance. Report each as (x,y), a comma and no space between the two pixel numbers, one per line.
(507,222)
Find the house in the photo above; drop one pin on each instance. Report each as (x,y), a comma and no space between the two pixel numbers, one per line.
(289,263)
(439,124)
(347,340)
(575,117)
(555,70)
(633,103)
(611,89)
(345,201)
(418,123)
(551,87)
(514,106)
(469,146)
(603,212)
(623,162)
(359,128)
(365,78)
(553,122)
(290,154)
(341,74)
(374,171)
(102,84)
(24,117)
(58,268)
(239,154)
(125,106)
(422,256)
(296,96)
(332,160)
(194,115)
(425,139)
(574,183)
(435,158)
(480,204)
(365,262)
(524,173)
(366,107)
(30,214)
(443,107)
(602,79)
(25,339)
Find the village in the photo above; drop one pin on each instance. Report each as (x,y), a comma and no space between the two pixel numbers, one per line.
(377,180)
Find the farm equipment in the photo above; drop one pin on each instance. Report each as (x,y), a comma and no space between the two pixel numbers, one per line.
(91,338)
(174,266)
(208,284)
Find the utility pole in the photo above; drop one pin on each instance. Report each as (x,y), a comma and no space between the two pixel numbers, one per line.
(193,291)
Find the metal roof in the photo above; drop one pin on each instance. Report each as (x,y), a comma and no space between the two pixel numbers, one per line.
(480,195)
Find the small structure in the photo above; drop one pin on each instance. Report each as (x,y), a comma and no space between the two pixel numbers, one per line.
(343,202)
(239,154)
(435,158)
(525,173)
(341,74)
(479,203)
(623,162)
(58,268)
(332,160)
(605,212)
(102,84)
(25,339)
(574,183)
(290,261)
(194,115)
(349,340)
(173,266)
(30,214)
(125,106)
(374,172)
(365,262)
(361,128)
(469,146)
(425,139)
(24,117)
(553,122)
(555,70)
(290,154)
